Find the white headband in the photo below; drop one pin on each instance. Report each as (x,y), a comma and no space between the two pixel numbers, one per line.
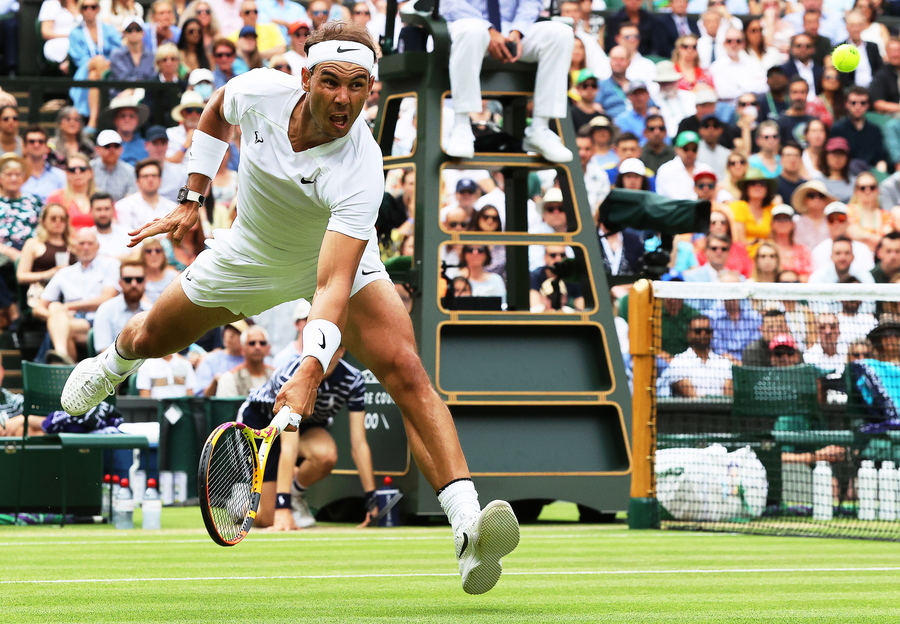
(341,51)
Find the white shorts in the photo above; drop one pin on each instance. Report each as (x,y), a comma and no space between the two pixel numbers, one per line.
(214,280)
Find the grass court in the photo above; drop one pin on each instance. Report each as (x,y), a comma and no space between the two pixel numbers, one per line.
(562,572)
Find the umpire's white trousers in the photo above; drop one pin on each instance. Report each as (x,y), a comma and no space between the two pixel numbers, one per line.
(549,44)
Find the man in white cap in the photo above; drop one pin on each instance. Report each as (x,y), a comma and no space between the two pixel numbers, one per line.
(838,225)
(509,33)
(111,175)
(201,81)
(310,186)
(295,347)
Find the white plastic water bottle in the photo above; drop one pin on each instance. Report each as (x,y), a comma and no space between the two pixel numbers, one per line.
(105,496)
(822,497)
(887,491)
(123,507)
(151,506)
(867,489)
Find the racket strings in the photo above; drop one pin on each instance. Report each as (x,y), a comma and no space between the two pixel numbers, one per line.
(230,482)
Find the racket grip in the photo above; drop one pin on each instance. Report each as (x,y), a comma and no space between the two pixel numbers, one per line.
(285,417)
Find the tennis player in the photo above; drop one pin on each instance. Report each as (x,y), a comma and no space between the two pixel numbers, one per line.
(309,188)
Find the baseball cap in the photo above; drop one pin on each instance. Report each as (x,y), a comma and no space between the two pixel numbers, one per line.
(554,195)
(240,326)
(686,138)
(155,132)
(706,96)
(782,340)
(636,85)
(132,19)
(710,119)
(600,121)
(837,144)
(633,165)
(108,137)
(199,75)
(585,74)
(835,207)
(466,184)
(302,309)
(705,173)
(782,209)
(297,26)
(247,31)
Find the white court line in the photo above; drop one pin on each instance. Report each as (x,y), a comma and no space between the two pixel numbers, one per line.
(321,537)
(440,574)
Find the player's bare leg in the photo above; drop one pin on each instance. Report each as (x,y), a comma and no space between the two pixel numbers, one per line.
(379,333)
(172,324)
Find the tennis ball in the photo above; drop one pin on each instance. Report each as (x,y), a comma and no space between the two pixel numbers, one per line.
(845,57)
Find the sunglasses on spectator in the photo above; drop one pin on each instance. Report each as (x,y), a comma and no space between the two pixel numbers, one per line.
(77,169)
(837,218)
(361,13)
(707,186)
(768,136)
(815,195)
(690,147)
(711,248)
(255,343)
(36,141)
(318,12)
(554,208)
(860,354)
(134,29)
(734,41)
(687,46)
(558,254)
(656,128)
(783,352)
(223,54)
(456,224)
(866,187)
(193,109)
(282,66)
(588,84)
(133,279)
(490,217)
(251,12)
(153,250)
(741,161)
(742,104)
(204,11)
(91,7)
(702,330)
(11,118)
(481,250)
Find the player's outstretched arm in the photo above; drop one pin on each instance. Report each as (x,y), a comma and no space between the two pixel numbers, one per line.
(212,128)
(338,262)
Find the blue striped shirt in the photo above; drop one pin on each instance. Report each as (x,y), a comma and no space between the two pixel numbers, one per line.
(344,386)
(514,14)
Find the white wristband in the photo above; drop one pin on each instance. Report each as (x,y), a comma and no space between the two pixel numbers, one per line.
(321,339)
(206,154)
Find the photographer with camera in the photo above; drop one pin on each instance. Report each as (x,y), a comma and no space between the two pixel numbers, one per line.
(550,291)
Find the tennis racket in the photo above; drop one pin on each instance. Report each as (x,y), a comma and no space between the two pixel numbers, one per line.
(230,476)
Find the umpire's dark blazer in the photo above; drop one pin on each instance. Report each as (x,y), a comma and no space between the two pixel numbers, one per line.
(665,33)
(875,61)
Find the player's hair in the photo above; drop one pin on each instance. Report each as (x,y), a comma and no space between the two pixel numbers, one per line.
(345,31)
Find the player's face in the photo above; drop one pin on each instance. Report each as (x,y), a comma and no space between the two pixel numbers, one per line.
(337,94)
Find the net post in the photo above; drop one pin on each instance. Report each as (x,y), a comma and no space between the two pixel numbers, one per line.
(643,509)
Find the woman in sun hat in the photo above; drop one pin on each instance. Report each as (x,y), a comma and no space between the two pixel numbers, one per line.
(809,201)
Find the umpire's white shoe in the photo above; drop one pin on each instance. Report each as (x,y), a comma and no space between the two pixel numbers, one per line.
(303,516)
(480,545)
(88,384)
(546,143)
(461,142)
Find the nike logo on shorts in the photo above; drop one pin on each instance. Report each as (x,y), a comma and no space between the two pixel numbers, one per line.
(256,137)
(370,272)
(305,181)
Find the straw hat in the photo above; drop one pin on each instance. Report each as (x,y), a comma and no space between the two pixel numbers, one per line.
(799,197)
(127,99)
(755,175)
(189,99)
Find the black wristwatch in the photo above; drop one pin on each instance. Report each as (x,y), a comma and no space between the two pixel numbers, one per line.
(185,195)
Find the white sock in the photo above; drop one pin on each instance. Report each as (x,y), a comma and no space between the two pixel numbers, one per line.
(459,501)
(539,123)
(462,119)
(117,364)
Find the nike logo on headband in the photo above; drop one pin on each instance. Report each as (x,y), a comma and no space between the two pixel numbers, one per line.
(342,50)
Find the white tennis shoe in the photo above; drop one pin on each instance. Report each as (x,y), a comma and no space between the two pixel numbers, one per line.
(303,517)
(88,384)
(461,142)
(480,544)
(546,143)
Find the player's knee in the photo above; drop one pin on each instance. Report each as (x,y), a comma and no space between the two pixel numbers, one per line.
(326,458)
(146,345)
(404,373)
